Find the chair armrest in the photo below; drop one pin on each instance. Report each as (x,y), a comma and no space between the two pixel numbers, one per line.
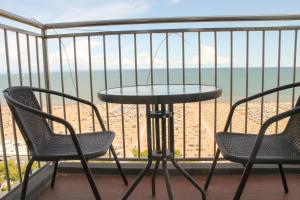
(258,95)
(266,125)
(95,109)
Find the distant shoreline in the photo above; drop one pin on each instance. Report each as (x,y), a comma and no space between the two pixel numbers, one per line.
(238,87)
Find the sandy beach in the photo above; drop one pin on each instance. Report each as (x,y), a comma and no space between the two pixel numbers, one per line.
(194,131)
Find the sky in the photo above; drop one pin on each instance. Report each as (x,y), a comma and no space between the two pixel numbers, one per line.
(72,10)
(82,10)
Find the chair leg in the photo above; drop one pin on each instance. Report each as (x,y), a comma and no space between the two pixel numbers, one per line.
(26,177)
(211,171)
(243,181)
(54,174)
(284,182)
(90,178)
(118,164)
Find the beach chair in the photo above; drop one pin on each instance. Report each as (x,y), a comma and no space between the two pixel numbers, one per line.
(249,149)
(45,145)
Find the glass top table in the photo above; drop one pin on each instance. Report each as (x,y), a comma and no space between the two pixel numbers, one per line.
(160,94)
(161,99)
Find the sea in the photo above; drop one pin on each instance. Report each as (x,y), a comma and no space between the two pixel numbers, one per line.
(258,80)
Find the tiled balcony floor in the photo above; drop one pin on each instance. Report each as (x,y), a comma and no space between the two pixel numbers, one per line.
(264,187)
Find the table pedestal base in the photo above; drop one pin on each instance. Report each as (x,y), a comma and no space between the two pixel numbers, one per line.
(161,153)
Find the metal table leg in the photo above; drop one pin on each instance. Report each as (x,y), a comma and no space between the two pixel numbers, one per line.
(186,175)
(137,180)
(164,151)
(143,173)
(153,177)
(164,155)
(157,147)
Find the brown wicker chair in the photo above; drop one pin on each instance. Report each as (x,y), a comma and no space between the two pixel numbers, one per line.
(44,145)
(249,149)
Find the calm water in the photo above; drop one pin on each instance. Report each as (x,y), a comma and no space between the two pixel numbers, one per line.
(160,76)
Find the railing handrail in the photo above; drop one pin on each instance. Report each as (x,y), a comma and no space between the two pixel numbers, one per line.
(145,31)
(19,30)
(18,18)
(171,20)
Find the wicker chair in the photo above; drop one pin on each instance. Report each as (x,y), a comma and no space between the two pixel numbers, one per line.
(44,145)
(249,149)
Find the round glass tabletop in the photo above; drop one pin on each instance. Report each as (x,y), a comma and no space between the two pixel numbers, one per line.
(160,94)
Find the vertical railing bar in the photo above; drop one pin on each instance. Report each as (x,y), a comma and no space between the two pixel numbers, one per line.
(262,78)
(216,82)
(91,80)
(20,64)
(13,121)
(137,106)
(30,75)
(62,79)
(168,73)
(167,58)
(151,59)
(231,73)
(46,72)
(200,119)
(6,169)
(247,80)
(29,60)
(20,69)
(19,58)
(135,59)
(183,80)
(278,77)
(38,69)
(105,85)
(120,61)
(76,82)
(151,78)
(38,76)
(183,58)
(105,77)
(294,65)
(121,85)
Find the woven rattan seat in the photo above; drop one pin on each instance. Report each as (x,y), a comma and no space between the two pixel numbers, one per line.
(92,145)
(237,147)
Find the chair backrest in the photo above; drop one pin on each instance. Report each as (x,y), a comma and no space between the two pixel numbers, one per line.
(292,130)
(34,128)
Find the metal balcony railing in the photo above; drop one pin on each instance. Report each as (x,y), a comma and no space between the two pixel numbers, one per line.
(68,57)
